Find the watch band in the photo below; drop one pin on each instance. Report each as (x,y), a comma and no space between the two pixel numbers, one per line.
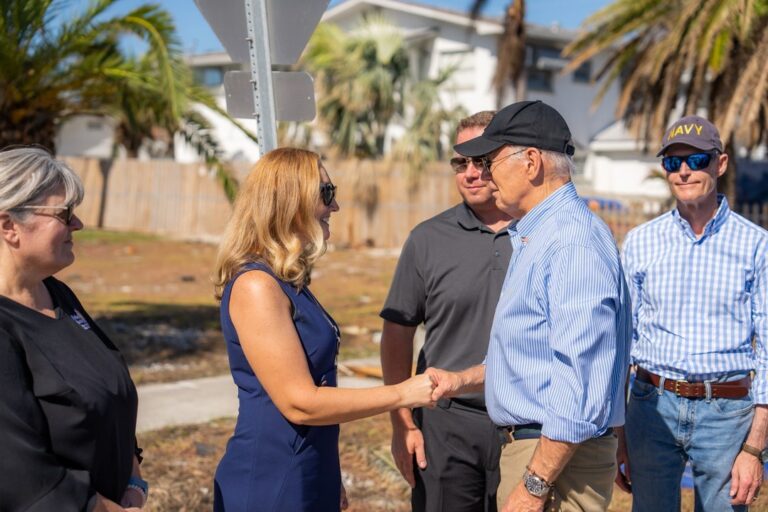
(752,451)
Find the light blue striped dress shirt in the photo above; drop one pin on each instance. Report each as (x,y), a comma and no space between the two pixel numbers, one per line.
(697,303)
(559,348)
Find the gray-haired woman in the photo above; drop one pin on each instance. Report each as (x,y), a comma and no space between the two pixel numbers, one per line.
(67,403)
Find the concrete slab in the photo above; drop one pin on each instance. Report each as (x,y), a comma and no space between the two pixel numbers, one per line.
(200,400)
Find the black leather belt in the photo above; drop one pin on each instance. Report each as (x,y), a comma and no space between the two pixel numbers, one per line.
(533,431)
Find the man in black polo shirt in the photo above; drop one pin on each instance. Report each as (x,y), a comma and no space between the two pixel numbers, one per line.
(449,277)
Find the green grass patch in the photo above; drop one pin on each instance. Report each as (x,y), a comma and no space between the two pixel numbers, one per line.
(92,235)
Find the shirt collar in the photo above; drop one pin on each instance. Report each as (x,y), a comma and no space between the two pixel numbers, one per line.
(467,219)
(714,224)
(547,207)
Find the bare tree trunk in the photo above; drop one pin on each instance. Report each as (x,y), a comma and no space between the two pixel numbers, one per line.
(521,88)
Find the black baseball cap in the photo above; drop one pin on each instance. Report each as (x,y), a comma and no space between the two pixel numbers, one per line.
(525,123)
(694,131)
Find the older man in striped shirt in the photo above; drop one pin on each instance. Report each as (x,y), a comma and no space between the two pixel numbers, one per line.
(559,348)
(699,282)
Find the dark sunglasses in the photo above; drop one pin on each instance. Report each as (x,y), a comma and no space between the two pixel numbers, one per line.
(485,163)
(327,193)
(695,162)
(64,213)
(459,164)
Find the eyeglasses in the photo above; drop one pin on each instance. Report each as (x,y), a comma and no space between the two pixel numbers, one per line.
(695,162)
(327,193)
(64,214)
(485,164)
(459,164)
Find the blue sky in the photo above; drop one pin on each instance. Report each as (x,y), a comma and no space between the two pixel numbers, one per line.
(197,37)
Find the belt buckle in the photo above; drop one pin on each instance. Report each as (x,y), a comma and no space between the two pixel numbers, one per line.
(677,386)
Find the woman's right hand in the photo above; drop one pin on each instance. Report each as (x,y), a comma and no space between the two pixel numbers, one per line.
(416,392)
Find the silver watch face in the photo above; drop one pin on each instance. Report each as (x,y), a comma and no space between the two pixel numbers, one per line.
(535,485)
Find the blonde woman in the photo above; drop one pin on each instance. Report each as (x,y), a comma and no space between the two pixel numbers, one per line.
(283,345)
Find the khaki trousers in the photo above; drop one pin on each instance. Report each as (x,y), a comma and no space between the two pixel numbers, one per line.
(585,485)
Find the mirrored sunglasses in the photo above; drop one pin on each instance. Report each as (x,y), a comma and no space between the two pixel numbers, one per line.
(327,193)
(695,162)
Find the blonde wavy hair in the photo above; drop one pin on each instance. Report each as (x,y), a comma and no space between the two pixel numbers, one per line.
(274,221)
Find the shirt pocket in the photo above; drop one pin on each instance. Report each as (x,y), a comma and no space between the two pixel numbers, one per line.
(744,295)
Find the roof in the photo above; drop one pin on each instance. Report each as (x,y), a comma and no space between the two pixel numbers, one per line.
(483,25)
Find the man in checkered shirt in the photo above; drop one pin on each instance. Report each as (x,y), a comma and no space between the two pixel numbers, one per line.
(698,276)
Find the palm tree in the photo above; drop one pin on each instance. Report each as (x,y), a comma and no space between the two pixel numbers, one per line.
(684,55)
(510,65)
(362,78)
(429,118)
(54,69)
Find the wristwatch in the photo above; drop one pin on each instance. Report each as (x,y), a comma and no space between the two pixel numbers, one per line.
(762,455)
(535,485)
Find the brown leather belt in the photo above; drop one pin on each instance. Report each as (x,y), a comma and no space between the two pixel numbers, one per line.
(735,389)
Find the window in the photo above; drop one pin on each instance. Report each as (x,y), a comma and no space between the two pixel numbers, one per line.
(541,64)
(539,80)
(209,76)
(583,73)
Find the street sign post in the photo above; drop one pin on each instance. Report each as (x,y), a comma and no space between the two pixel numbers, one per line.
(263,33)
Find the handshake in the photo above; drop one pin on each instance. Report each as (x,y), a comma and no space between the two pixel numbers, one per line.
(426,389)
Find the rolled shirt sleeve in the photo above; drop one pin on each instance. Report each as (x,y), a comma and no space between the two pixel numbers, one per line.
(590,329)
(32,478)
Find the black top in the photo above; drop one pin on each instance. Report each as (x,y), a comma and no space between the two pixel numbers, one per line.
(449,276)
(67,408)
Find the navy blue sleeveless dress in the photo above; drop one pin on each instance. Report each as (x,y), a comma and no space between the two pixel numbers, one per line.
(270,464)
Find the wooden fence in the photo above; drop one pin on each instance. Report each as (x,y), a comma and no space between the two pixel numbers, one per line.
(379,202)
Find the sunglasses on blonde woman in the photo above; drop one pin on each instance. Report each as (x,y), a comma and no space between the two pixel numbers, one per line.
(327,193)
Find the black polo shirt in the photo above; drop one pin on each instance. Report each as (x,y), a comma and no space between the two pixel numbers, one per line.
(449,277)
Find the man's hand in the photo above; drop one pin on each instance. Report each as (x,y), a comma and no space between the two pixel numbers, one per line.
(447,384)
(746,477)
(407,442)
(522,501)
(623,479)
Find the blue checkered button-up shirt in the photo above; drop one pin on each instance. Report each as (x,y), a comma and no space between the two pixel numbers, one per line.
(697,303)
(559,348)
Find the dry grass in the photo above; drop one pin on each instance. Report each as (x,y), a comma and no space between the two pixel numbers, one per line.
(154,297)
(180,463)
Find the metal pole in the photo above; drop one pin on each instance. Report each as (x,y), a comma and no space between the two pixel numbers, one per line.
(261,74)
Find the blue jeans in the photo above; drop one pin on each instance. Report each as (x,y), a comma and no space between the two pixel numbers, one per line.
(665,431)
